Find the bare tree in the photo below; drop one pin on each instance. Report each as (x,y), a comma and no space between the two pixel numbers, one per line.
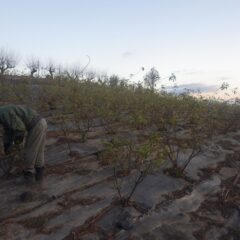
(50,67)
(74,73)
(172,78)
(77,72)
(8,60)
(151,78)
(90,75)
(102,78)
(59,70)
(33,64)
(114,80)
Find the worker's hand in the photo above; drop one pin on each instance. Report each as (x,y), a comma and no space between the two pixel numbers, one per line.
(18,139)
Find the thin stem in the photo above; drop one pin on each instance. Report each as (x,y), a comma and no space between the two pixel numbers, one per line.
(138,181)
(192,155)
(117,185)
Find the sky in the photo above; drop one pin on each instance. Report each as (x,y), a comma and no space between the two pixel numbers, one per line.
(198,40)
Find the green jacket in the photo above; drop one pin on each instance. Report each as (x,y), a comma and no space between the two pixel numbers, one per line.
(15,120)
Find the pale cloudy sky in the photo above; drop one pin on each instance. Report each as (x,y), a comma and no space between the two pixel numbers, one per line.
(198,40)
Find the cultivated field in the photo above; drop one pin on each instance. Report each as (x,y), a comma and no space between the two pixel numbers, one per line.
(124,162)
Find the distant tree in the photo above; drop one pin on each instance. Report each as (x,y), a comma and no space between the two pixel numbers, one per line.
(114,80)
(224,86)
(33,64)
(139,86)
(61,71)
(76,73)
(173,77)
(90,75)
(102,78)
(8,60)
(123,82)
(151,78)
(50,68)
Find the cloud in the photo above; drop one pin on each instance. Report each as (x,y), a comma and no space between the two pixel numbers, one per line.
(224,78)
(204,88)
(127,54)
(189,71)
(193,72)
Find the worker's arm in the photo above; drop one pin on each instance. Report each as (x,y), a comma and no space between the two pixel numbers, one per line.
(13,132)
(7,140)
(18,128)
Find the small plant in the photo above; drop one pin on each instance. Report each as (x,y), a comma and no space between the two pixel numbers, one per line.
(65,132)
(83,120)
(226,193)
(80,103)
(11,160)
(109,110)
(151,78)
(138,120)
(182,137)
(133,158)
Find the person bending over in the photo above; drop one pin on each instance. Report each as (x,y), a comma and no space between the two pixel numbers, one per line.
(19,121)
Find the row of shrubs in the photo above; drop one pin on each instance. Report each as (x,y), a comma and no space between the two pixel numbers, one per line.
(168,125)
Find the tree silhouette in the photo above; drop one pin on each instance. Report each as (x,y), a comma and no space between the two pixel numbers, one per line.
(151,78)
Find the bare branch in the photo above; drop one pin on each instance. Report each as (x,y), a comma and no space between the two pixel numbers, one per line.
(51,69)
(33,64)
(8,60)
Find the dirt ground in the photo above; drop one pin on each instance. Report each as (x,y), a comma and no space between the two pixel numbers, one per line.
(77,199)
